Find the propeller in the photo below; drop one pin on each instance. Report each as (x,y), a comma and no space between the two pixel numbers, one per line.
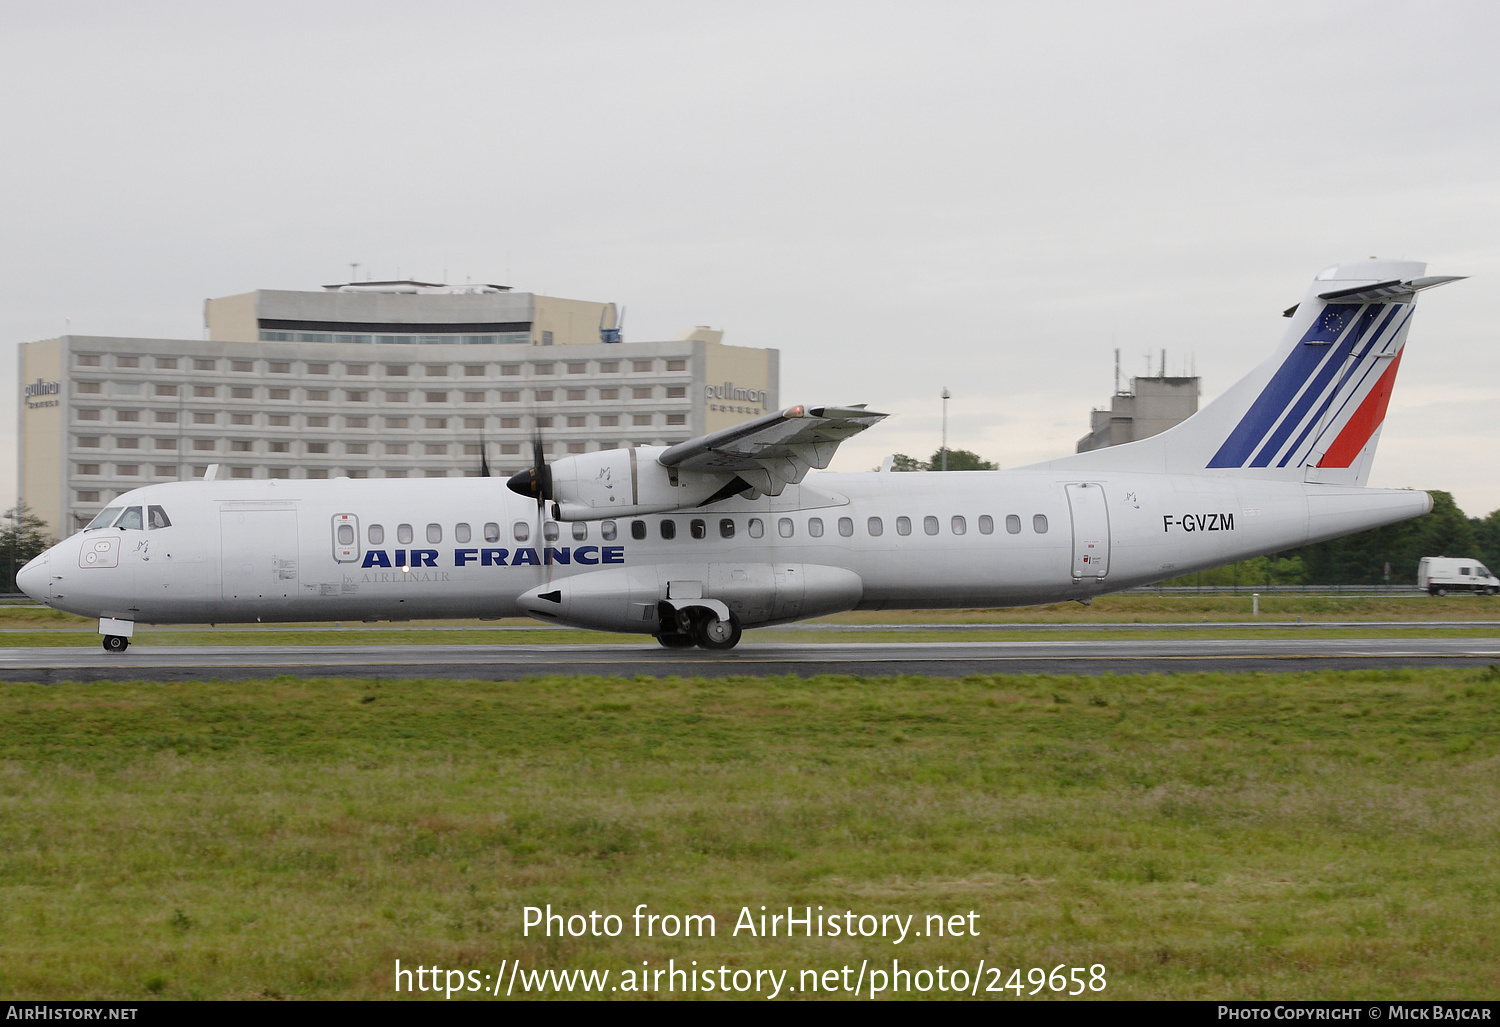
(484,458)
(536,482)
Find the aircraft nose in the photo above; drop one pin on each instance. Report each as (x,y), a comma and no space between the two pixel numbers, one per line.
(32,579)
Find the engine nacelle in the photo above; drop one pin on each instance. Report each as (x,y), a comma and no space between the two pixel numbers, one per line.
(627,598)
(626,483)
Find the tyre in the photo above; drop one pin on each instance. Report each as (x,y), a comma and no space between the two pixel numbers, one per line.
(116,643)
(1440,591)
(714,633)
(675,641)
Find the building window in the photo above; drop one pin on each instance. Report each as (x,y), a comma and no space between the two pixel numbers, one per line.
(473,370)
(279,472)
(473,397)
(544,395)
(278,393)
(609,393)
(609,367)
(395,397)
(358,472)
(317,395)
(317,368)
(395,422)
(546,339)
(510,397)
(356,396)
(510,370)
(165,417)
(435,370)
(640,419)
(609,421)
(472,449)
(88,415)
(578,367)
(241,472)
(641,393)
(510,422)
(640,367)
(128,470)
(88,360)
(577,421)
(356,422)
(204,391)
(204,418)
(166,363)
(356,448)
(395,371)
(676,365)
(677,392)
(279,367)
(575,395)
(166,390)
(317,448)
(204,365)
(544,422)
(88,497)
(360,369)
(242,392)
(127,361)
(473,422)
(88,468)
(243,446)
(509,448)
(577,447)
(278,447)
(127,415)
(203,445)
(128,443)
(88,442)
(275,420)
(677,418)
(317,422)
(166,443)
(434,422)
(318,472)
(395,474)
(395,448)
(242,365)
(542,369)
(1039,523)
(87,388)
(435,449)
(165,471)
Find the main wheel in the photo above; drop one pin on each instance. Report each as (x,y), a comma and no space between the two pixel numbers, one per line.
(116,643)
(1440,591)
(675,641)
(714,633)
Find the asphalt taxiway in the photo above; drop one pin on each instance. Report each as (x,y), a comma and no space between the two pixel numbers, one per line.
(941,659)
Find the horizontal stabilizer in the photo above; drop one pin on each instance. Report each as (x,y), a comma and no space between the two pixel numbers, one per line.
(1383,292)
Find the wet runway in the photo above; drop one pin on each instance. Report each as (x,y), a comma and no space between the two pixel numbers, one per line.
(942,659)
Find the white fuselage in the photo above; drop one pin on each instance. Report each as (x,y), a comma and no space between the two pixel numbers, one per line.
(272,550)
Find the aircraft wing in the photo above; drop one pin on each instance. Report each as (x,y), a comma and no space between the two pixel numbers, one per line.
(773,451)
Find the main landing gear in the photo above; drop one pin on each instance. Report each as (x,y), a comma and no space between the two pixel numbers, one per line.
(700,627)
(116,643)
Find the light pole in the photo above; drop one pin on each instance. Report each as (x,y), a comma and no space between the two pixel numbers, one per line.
(946,396)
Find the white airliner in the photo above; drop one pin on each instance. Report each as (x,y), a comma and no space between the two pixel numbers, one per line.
(692,543)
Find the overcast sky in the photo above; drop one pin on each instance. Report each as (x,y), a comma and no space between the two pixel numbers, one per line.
(899,197)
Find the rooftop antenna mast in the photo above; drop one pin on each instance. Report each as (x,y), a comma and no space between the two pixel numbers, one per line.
(353,270)
(1117,370)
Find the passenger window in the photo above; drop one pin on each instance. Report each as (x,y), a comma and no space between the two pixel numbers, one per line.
(697,528)
(520,531)
(875,526)
(903,525)
(1039,524)
(609,531)
(377,534)
(1013,524)
(491,532)
(785,528)
(959,525)
(346,534)
(156,517)
(434,533)
(757,527)
(815,527)
(986,524)
(638,530)
(131,518)
(726,528)
(403,534)
(669,529)
(106,517)
(461,532)
(580,531)
(929,524)
(1464,571)
(846,526)
(551,532)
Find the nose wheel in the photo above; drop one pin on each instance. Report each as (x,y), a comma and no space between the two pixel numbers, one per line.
(116,643)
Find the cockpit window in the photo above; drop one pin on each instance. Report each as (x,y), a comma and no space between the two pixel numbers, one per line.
(131,518)
(156,517)
(106,517)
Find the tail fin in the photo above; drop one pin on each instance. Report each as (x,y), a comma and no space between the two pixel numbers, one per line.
(1313,410)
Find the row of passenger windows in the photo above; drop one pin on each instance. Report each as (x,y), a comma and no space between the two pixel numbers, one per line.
(755,527)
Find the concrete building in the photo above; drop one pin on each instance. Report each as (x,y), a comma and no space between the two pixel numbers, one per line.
(1152,405)
(369,380)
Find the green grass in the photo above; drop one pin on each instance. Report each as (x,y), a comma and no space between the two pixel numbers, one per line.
(1202,835)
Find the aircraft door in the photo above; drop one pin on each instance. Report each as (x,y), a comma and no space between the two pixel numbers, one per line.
(258,552)
(1090,530)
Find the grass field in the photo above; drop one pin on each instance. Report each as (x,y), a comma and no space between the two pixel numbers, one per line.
(1201,835)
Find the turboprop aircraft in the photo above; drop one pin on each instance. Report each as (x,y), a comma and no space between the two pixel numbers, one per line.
(692,543)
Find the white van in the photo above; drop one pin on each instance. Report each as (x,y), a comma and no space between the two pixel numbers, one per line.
(1440,575)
